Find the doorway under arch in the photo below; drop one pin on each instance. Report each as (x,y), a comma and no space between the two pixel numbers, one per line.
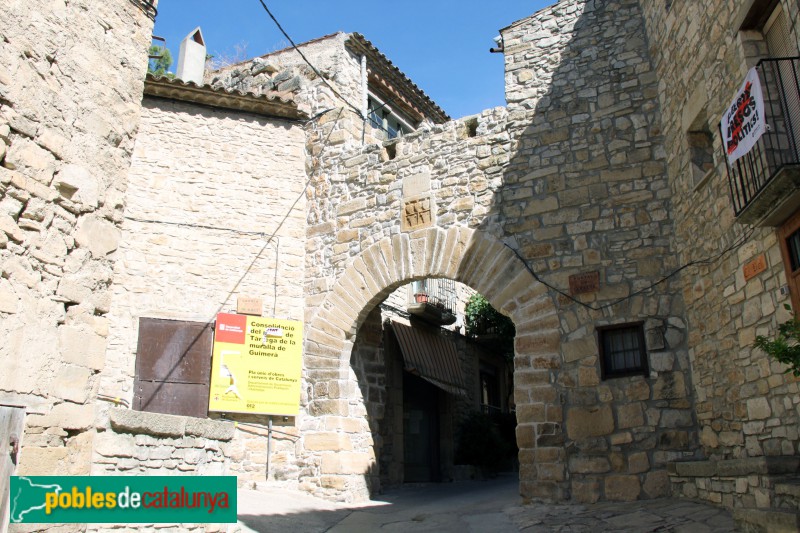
(343,454)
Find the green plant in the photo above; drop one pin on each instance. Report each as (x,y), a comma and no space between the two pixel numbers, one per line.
(160,61)
(785,348)
(481,319)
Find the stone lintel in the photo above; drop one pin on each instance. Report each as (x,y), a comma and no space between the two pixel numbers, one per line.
(161,425)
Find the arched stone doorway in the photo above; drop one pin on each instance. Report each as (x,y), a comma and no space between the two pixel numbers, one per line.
(338,445)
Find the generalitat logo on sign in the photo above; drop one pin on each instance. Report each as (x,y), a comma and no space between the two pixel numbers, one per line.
(122,499)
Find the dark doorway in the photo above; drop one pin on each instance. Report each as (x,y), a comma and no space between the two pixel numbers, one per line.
(420,430)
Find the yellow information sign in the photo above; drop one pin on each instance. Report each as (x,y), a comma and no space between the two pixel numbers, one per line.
(256,365)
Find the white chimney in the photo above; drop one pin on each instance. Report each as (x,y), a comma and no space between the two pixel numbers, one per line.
(192,58)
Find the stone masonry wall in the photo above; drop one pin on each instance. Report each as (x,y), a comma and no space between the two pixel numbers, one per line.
(70,91)
(286,71)
(572,176)
(207,189)
(746,405)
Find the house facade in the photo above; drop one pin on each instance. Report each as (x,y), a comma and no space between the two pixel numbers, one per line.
(598,210)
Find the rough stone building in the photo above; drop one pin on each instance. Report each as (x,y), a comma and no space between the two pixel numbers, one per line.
(596,210)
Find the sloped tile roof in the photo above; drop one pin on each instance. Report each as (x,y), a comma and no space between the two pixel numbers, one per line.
(274,104)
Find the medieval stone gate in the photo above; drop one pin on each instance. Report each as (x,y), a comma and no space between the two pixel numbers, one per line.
(470,257)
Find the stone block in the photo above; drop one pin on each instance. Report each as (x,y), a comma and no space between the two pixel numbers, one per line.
(98,235)
(81,346)
(588,465)
(709,438)
(578,349)
(346,463)
(674,440)
(585,422)
(333,482)
(625,488)
(638,462)
(676,418)
(157,424)
(669,386)
(630,415)
(656,484)
(327,442)
(662,361)
(9,226)
(637,390)
(28,157)
(66,416)
(210,429)
(72,383)
(758,408)
(50,461)
(586,490)
(9,301)
(110,444)
(78,184)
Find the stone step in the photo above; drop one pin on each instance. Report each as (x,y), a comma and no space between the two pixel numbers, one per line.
(736,467)
(787,493)
(767,520)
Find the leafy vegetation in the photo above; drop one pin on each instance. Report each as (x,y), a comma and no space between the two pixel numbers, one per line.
(483,319)
(158,66)
(785,348)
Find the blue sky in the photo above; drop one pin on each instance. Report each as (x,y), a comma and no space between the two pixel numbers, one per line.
(442,45)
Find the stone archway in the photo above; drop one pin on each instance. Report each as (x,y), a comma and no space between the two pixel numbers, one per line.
(336,438)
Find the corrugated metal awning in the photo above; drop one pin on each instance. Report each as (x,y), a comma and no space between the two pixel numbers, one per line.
(431,356)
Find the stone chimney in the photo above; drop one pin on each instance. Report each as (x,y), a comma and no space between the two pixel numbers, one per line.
(192,58)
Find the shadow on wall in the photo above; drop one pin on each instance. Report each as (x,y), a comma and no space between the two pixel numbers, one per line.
(584,191)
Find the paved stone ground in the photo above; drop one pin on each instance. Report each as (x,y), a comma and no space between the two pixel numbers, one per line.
(479,506)
(664,515)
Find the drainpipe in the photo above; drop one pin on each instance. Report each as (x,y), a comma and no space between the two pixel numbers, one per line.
(269,444)
(364,97)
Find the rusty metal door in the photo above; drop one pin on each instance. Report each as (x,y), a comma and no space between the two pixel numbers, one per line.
(11,425)
(173,367)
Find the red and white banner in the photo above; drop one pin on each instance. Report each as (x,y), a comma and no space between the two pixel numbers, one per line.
(743,123)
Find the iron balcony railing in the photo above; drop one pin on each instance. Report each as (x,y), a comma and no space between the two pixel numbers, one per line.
(440,293)
(778,147)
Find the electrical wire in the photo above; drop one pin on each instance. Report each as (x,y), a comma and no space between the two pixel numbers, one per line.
(710,260)
(354,107)
(316,71)
(198,226)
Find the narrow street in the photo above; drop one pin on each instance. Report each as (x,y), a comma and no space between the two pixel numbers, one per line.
(477,506)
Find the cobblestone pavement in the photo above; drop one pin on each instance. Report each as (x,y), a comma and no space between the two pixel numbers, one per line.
(663,515)
(480,506)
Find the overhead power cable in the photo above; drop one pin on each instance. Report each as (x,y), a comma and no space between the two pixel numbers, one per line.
(352,106)
(707,261)
(316,71)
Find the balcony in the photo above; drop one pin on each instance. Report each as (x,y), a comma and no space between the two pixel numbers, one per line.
(765,183)
(433,300)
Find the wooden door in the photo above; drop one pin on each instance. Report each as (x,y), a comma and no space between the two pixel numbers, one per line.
(11,425)
(789,238)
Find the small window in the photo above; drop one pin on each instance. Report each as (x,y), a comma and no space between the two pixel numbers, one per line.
(622,350)
(701,144)
(173,367)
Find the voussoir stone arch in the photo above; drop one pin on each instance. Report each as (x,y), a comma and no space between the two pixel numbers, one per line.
(482,262)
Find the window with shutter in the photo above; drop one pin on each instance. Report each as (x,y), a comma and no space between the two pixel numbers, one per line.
(173,367)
